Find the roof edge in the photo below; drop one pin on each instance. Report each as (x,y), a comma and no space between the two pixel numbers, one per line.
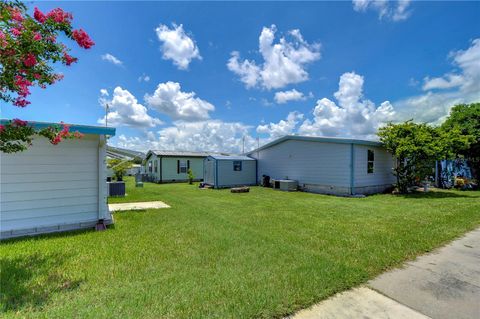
(320,139)
(84,129)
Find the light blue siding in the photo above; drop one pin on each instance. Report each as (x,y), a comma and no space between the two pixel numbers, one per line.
(326,167)
(227,177)
(306,162)
(220,173)
(382,169)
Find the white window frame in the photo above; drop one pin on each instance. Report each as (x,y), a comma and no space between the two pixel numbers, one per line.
(183,166)
(370,170)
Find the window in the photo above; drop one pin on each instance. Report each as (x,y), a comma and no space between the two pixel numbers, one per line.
(182,166)
(150,167)
(155,166)
(237,166)
(370,161)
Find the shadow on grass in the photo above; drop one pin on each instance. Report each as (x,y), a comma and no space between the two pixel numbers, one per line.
(441,194)
(29,281)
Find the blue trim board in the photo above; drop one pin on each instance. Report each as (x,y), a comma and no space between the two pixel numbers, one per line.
(84,129)
(316,139)
(352,169)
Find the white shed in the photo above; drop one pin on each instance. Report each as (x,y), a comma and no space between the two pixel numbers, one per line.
(222,171)
(51,188)
(327,165)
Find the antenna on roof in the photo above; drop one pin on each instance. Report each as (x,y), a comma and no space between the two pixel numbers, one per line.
(107,107)
(243,144)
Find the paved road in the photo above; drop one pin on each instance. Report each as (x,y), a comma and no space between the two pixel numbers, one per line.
(442,284)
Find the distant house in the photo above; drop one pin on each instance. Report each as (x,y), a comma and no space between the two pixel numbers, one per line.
(124,154)
(51,188)
(327,165)
(172,166)
(229,171)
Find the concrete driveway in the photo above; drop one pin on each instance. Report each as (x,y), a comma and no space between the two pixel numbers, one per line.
(442,284)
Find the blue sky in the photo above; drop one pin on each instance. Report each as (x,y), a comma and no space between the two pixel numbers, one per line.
(345,69)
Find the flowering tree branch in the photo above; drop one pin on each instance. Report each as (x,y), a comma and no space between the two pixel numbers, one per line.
(28,50)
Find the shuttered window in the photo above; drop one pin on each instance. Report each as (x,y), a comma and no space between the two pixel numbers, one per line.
(182,166)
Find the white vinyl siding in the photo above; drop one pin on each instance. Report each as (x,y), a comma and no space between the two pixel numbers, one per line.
(382,171)
(307,162)
(49,185)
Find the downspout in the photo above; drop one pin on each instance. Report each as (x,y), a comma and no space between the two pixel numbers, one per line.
(216,173)
(256,172)
(352,169)
(161,170)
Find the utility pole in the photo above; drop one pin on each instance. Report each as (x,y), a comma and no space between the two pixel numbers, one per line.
(243,144)
(107,107)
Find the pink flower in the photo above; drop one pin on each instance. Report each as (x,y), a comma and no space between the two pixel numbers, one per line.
(16,15)
(37,76)
(82,39)
(37,36)
(77,134)
(30,60)
(57,139)
(60,16)
(39,16)
(18,122)
(20,102)
(16,32)
(2,128)
(3,41)
(65,131)
(69,59)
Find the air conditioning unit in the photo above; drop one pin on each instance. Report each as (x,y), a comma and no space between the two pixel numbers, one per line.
(286,185)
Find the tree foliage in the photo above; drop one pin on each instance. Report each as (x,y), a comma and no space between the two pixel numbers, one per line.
(29,48)
(415,147)
(119,167)
(465,118)
(17,135)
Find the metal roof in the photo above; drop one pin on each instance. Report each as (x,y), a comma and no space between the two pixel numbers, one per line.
(84,129)
(337,140)
(232,157)
(178,153)
(117,152)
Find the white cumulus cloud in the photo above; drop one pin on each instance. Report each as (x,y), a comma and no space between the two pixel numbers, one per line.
(283,97)
(392,10)
(169,99)
(461,85)
(284,62)
(124,110)
(283,127)
(144,78)
(177,45)
(351,116)
(210,136)
(112,59)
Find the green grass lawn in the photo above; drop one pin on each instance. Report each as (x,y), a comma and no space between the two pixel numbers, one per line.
(220,255)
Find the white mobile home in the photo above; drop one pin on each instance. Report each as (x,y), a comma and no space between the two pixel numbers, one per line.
(327,165)
(223,171)
(51,188)
(172,166)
